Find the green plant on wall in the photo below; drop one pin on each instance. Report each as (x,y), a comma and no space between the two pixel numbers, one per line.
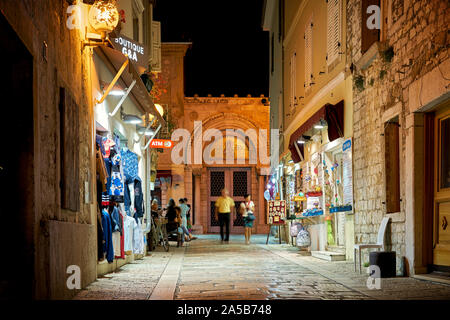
(359,82)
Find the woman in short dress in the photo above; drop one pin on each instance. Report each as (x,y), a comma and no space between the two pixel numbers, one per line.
(249,217)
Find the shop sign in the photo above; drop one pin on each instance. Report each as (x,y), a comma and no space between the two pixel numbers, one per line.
(134,50)
(276,211)
(347,145)
(161,143)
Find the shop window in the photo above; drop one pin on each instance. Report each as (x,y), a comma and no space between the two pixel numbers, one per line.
(370,23)
(333,30)
(69,151)
(392,166)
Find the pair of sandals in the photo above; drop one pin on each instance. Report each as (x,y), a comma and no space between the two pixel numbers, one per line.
(189,240)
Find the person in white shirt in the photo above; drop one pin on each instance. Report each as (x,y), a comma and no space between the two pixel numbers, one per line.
(249,217)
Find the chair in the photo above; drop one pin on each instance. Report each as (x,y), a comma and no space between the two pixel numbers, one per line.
(380,241)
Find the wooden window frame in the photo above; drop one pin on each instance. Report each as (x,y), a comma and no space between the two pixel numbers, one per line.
(392,166)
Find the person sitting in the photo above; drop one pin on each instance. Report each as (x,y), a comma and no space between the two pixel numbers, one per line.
(154,208)
(184,210)
(174,219)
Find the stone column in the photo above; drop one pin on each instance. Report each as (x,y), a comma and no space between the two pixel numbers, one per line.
(198,227)
(414,193)
(262,227)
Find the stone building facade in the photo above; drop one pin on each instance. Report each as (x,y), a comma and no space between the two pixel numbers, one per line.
(48,237)
(400,80)
(221,113)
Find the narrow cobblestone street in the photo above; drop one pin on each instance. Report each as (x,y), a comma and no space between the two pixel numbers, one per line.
(206,269)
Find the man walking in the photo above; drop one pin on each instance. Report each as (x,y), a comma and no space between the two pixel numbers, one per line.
(224,206)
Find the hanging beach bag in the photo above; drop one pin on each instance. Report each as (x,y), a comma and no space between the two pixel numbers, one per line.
(303,238)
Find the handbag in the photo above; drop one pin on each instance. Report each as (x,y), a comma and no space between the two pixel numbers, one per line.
(250,217)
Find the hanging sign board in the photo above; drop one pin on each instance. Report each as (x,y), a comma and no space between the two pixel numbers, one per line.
(161,143)
(276,210)
(135,51)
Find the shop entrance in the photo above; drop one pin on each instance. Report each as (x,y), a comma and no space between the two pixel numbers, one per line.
(441,201)
(237,181)
(16,166)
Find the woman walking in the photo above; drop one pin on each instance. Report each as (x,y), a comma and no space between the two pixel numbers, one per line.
(249,217)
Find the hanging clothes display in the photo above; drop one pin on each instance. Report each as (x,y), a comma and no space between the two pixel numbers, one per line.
(100,242)
(99,142)
(138,198)
(116,190)
(128,226)
(121,250)
(107,236)
(127,196)
(138,238)
(130,162)
(107,144)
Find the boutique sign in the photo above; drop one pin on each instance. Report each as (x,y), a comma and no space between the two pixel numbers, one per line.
(134,50)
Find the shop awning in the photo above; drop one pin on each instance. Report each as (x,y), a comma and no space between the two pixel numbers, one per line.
(114,60)
(332,114)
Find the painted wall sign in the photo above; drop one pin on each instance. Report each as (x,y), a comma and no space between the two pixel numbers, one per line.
(134,50)
(160,143)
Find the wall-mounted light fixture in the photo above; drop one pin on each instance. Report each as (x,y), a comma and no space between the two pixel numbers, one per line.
(103,18)
(320,125)
(160,109)
(130,118)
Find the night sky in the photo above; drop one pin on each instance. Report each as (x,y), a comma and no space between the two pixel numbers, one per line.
(229,53)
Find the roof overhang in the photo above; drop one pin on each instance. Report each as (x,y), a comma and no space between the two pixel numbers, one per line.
(139,95)
(332,114)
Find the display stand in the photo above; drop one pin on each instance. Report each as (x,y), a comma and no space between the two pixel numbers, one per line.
(279,232)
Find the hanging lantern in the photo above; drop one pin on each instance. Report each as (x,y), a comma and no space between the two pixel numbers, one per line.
(103,15)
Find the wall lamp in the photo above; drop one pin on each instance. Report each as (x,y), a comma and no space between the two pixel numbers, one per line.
(103,18)
(130,118)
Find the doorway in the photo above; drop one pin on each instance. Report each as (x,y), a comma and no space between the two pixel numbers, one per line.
(237,181)
(441,201)
(17,166)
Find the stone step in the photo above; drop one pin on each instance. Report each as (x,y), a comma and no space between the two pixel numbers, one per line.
(337,249)
(328,255)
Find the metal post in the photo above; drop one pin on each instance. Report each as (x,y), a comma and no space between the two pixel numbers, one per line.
(111,114)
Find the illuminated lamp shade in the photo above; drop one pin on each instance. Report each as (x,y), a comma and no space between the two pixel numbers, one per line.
(103,16)
(160,109)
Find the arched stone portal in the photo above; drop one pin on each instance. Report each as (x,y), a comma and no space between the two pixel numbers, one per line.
(241,116)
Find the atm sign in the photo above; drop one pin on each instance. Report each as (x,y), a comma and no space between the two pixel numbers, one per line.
(160,143)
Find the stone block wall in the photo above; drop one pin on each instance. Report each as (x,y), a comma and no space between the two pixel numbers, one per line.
(418,33)
(39,24)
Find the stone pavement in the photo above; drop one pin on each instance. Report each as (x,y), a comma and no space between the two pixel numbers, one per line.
(206,269)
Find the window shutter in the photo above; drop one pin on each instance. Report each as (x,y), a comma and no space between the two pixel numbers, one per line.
(368,36)
(333,30)
(156,46)
(308,53)
(392,167)
(293,73)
